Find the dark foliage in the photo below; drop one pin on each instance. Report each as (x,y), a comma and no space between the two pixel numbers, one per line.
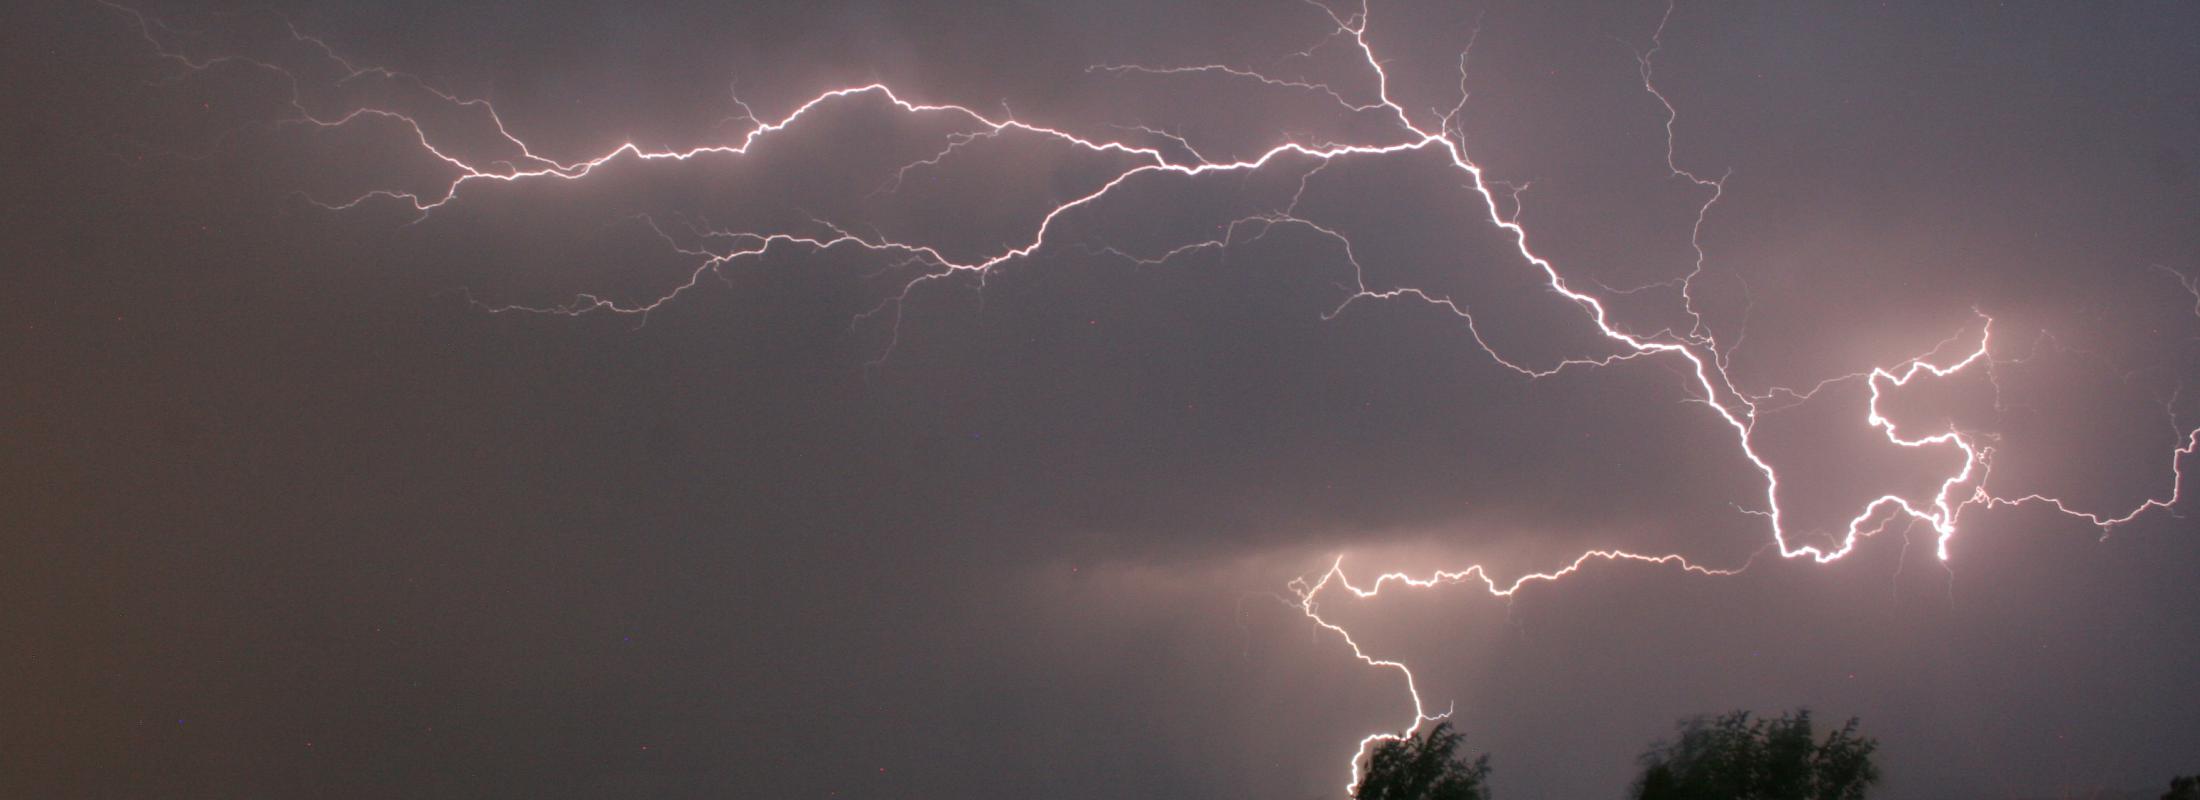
(1734,757)
(1424,767)
(2183,788)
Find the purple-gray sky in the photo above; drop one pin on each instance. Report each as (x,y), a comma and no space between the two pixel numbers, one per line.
(313,492)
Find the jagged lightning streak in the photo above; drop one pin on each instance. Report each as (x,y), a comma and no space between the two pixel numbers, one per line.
(1704,354)
(1307,592)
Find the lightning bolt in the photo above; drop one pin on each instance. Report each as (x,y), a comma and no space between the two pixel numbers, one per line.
(1702,352)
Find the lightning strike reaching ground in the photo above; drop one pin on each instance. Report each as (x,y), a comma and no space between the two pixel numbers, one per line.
(1703,353)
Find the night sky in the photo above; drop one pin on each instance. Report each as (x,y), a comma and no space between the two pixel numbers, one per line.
(379,423)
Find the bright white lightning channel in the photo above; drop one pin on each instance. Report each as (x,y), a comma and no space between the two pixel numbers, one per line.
(1701,351)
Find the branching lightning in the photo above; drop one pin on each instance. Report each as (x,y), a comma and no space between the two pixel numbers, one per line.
(1703,353)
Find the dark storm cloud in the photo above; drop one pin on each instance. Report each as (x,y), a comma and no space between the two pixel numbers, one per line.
(296,517)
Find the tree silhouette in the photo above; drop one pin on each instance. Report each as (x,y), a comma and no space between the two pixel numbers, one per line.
(2183,788)
(1424,768)
(1733,757)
